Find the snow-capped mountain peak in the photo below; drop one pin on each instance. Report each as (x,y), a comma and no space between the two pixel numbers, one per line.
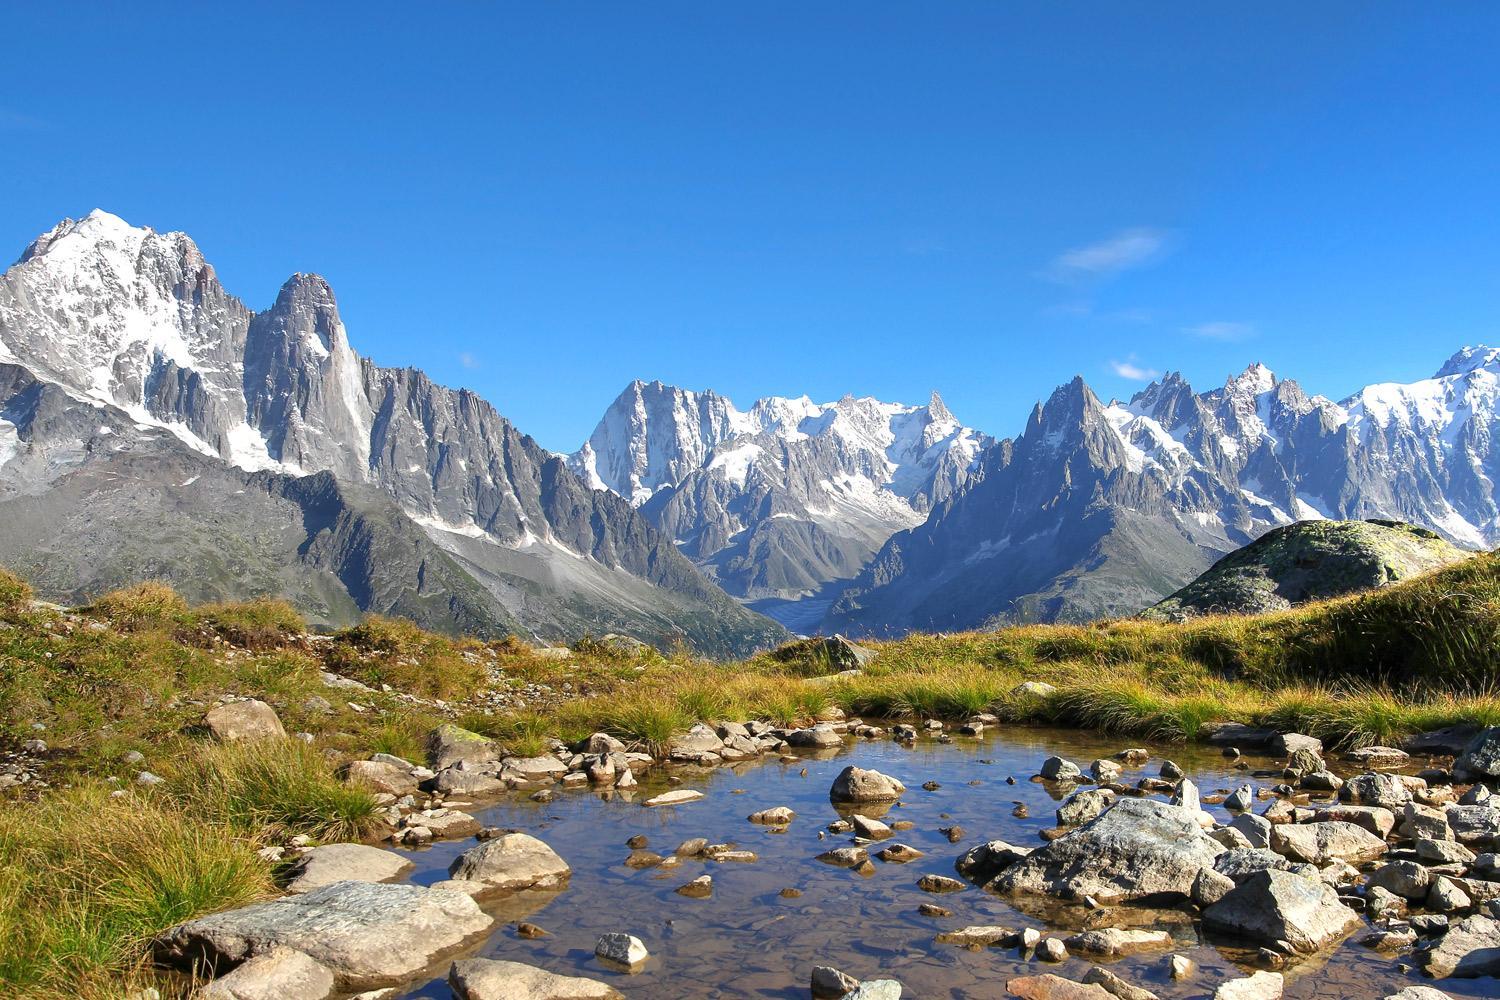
(1470,359)
(718,478)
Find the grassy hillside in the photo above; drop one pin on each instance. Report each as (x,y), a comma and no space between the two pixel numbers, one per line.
(93,862)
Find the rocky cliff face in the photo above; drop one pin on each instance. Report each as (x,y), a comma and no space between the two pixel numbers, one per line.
(781,499)
(126,336)
(1102,509)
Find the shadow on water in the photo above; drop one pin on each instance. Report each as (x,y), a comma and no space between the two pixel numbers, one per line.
(747,940)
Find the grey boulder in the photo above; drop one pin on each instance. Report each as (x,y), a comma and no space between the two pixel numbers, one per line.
(367,934)
(856,784)
(344,863)
(1480,760)
(1274,906)
(511,862)
(1138,850)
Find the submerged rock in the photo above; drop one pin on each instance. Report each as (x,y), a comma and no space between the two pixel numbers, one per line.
(486,979)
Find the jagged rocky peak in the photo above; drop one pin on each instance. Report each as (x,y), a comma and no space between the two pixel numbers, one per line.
(1470,359)
(777,499)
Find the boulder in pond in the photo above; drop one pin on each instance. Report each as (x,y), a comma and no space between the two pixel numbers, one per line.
(829,983)
(857,784)
(621,951)
(819,737)
(1060,769)
(1138,850)
(367,934)
(1320,843)
(1376,788)
(875,989)
(486,979)
(1480,760)
(1469,949)
(510,862)
(1274,906)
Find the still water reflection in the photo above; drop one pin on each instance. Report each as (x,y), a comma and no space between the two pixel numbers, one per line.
(747,940)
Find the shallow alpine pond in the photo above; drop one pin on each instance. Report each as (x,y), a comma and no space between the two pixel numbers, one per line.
(749,940)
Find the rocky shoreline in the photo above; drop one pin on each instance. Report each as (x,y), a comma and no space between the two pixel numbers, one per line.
(1404,864)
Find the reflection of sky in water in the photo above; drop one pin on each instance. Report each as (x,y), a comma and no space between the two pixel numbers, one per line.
(747,941)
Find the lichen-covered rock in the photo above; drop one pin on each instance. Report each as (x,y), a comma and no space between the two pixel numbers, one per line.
(278,974)
(1320,843)
(449,744)
(1469,949)
(1308,561)
(1480,760)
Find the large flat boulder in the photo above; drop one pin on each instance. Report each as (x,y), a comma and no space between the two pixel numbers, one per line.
(367,934)
(1272,906)
(1320,843)
(345,863)
(484,979)
(1139,850)
(511,862)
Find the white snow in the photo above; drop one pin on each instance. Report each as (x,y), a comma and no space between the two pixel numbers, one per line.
(735,463)
(10,444)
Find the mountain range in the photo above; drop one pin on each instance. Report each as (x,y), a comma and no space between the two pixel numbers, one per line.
(152,425)
(1096,509)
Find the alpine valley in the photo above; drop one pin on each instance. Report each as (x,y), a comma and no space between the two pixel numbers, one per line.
(152,425)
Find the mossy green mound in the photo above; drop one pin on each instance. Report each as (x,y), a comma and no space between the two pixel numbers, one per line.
(1309,561)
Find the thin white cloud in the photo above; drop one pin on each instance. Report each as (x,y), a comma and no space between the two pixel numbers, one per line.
(1129,369)
(1222,330)
(1127,249)
(468,360)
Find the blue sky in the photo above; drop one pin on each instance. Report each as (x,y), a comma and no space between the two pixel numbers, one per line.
(543,201)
